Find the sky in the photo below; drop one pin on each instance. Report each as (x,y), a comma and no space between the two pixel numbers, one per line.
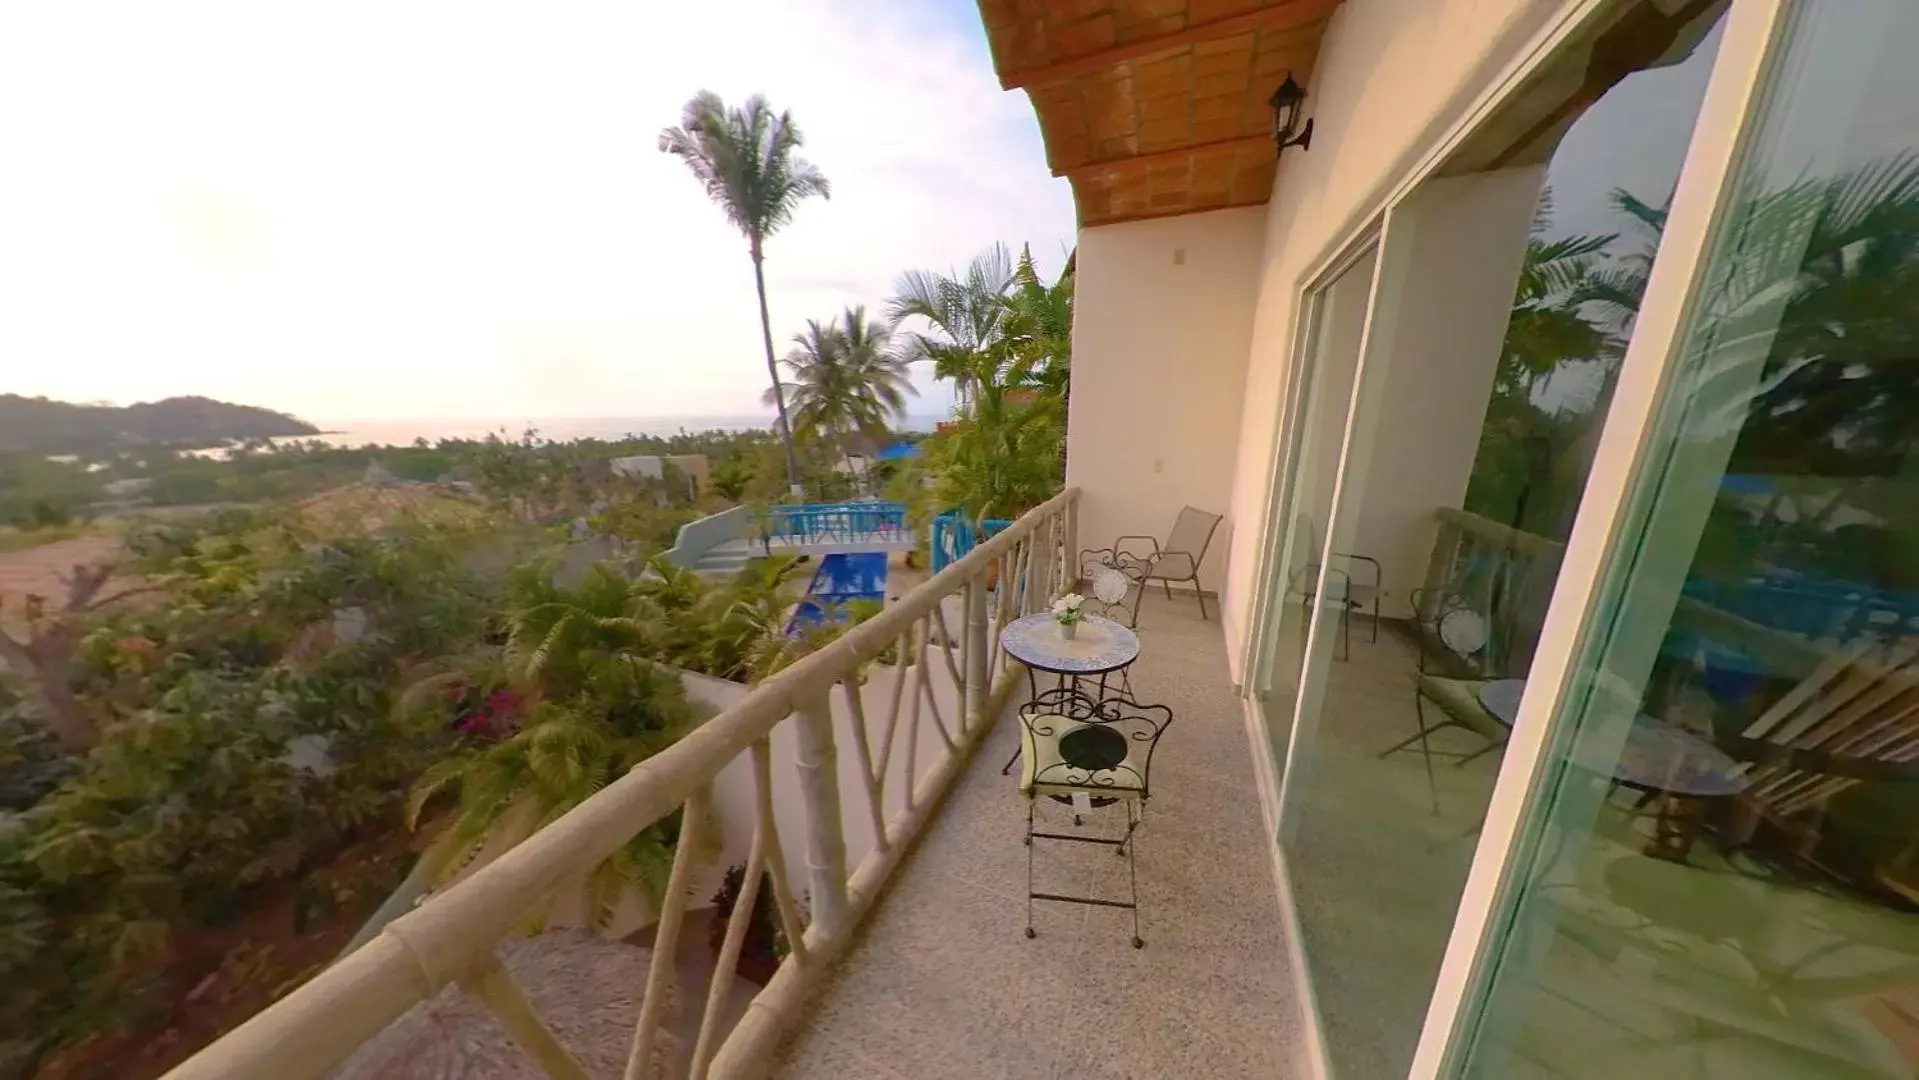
(378,210)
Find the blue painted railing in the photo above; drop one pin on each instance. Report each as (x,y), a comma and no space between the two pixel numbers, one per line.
(953,536)
(821,523)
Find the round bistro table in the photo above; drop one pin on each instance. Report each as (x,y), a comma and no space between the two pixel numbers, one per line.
(1096,650)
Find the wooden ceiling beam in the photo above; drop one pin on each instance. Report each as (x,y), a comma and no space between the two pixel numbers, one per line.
(1282,16)
(1112,218)
(1159,156)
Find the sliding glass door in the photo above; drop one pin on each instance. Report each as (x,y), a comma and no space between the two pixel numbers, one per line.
(1312,429)
(1708,862)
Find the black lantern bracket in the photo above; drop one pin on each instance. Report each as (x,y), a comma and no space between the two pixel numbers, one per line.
(1286,102)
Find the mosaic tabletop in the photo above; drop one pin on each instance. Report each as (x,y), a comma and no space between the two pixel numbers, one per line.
(1100,645)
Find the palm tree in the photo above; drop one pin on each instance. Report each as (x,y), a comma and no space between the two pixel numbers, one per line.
(1005,456)
(1037,325)
(566,707)
(627,710)
(747,160)
(848,379)
(962,315)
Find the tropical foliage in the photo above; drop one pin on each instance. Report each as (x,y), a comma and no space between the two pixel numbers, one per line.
(1004,337)
(959,315)
(527,476)
(243,743)
(974,326)
(1552,331)
(260,695)
(848,379)
(748,161)
(1807,366)
(1003,455)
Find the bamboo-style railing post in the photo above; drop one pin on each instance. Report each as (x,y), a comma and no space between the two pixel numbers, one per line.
(1048,533)
(863,750)
(978,687)
(1023,601)
(1070,551)
(666,941)
(736,925)
(820,790)
(502,998)
(783,897)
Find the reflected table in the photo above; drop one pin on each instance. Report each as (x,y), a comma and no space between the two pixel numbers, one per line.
(1675,771)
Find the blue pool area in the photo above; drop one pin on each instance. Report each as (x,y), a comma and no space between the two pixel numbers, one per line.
(840,578)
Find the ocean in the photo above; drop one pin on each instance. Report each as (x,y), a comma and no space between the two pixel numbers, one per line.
(556,429)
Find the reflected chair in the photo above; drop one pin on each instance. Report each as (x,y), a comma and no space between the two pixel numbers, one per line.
(1455,636)
(1100,752)
(1179,560)
(1358,579)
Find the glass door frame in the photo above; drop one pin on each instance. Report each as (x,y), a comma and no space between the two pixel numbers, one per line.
(1749,47)
(1288,439)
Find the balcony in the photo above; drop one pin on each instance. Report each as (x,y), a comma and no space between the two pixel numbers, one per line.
(943,982)
(868,777)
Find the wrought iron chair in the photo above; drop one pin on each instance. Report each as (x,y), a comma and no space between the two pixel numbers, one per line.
(1179,560)
(1108,579)
(1453,626)
(1072,745)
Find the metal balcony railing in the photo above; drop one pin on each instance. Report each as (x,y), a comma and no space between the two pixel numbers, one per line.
(819,523)
(949,626)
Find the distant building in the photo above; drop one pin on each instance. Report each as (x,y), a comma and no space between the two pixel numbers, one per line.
(693,467)
(121,489)
(646,466)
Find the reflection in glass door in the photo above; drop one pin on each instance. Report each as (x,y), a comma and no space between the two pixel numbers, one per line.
(1302,500)
(1719,871)
(1500,311)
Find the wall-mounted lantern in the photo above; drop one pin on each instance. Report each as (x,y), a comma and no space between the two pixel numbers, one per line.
(1286,102)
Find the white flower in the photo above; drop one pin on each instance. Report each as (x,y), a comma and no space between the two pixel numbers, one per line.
(1059,606)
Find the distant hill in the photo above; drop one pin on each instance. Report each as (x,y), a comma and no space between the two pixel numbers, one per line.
(59,427)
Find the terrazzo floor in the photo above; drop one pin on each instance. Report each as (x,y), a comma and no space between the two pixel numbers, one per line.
(944,983)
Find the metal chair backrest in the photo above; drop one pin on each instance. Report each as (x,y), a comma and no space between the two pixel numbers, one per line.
(1092,564)
(1056,713)
(1465,622)
(1192,533)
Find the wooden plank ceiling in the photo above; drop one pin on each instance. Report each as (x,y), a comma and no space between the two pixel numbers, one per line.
(1152,108)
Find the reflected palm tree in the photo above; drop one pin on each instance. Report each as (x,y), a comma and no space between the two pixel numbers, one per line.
(1551,329)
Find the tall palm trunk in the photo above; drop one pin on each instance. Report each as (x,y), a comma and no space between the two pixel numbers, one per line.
(773,372)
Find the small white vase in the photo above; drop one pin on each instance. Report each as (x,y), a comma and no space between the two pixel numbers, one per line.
(1069,631)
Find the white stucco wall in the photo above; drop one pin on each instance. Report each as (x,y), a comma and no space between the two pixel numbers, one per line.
(1391,76)
(1162,324)
(1431,363)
